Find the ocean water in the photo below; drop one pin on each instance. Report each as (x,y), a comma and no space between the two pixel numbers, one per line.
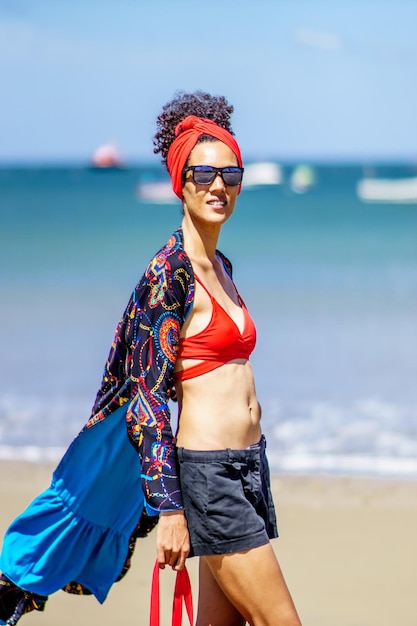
(330,280)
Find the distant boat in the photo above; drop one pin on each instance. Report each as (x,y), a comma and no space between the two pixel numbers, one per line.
(303,178)
(395,190)
(107,156)
(156,192)
(262,173)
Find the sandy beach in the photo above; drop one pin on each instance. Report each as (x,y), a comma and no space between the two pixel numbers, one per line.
(347,546)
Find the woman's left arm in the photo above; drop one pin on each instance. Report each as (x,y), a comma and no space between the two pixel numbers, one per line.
(159,308)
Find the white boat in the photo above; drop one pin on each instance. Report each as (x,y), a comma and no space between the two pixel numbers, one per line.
(400,190)
(157,192)
(261,173)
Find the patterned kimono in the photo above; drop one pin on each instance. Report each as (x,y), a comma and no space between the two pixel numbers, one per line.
(121,471)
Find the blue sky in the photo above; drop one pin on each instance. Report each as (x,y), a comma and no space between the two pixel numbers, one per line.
(309,79)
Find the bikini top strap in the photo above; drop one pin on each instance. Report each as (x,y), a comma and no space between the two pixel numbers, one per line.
(203,286)
(240,299)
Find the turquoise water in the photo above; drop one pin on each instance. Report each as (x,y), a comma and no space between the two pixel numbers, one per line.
(330,280)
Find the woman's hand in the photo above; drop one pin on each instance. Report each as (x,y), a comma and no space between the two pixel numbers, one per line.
(172,540)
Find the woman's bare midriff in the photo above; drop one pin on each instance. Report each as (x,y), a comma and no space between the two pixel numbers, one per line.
(219,409)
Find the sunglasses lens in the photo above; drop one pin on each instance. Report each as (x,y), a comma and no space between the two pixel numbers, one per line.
(232,175)
(204,175)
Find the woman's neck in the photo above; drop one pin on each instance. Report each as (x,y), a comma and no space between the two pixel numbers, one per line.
(200,243)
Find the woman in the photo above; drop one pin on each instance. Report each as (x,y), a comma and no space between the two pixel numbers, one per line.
(185,332)
(221,451)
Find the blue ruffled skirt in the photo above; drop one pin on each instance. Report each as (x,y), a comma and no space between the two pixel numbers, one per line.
(79,528)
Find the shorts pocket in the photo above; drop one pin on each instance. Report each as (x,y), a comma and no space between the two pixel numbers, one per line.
(250,476)
(226,502)
(193,479)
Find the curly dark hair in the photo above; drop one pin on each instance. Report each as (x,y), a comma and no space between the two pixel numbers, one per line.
(199,103)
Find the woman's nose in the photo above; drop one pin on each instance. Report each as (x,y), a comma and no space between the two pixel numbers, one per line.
(218,182)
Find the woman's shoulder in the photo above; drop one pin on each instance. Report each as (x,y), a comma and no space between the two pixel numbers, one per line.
(226,262)
(170,257)
(168,276)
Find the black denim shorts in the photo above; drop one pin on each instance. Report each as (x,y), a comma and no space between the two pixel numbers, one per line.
(227,499)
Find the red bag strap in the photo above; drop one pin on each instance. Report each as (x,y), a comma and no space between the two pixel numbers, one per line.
(155,617)
(182,591)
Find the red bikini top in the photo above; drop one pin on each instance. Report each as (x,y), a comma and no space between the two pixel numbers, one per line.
(220,342)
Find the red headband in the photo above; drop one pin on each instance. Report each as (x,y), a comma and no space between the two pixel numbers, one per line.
(187,134)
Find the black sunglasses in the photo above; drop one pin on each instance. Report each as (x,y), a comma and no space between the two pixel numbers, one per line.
(205,174)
